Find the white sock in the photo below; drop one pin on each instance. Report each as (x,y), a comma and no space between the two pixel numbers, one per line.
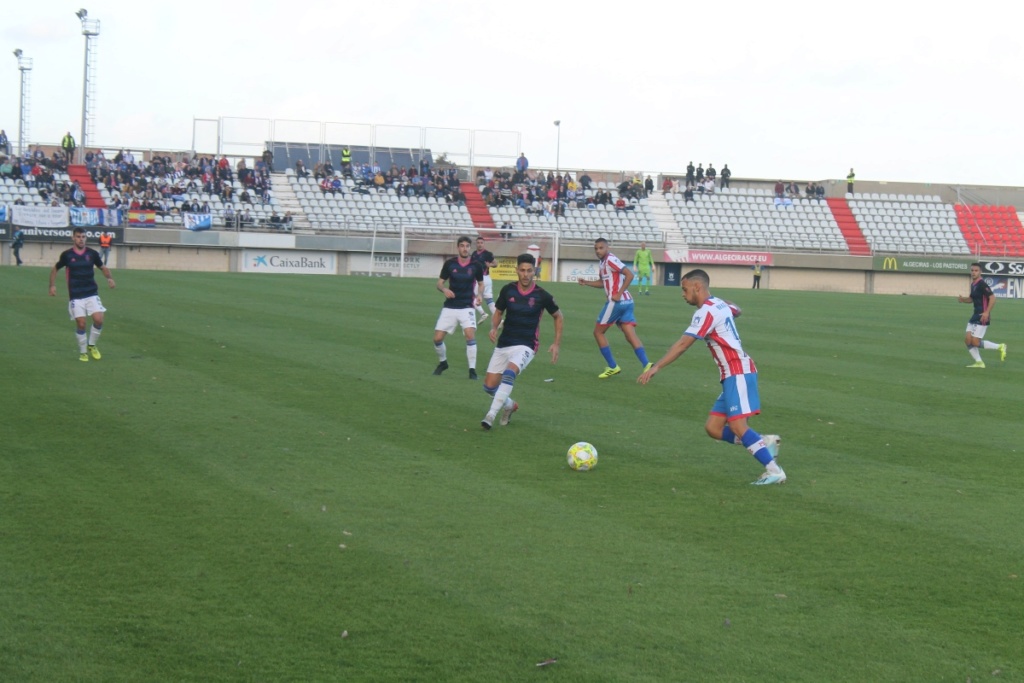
(490,305)
(975,353)
(773,468)
(94,335)
(442,352)
(989,345)
(471,356)
(81,338)
(500,396)
(480,310)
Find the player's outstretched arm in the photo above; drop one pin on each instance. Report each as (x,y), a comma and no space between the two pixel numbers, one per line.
(674,351)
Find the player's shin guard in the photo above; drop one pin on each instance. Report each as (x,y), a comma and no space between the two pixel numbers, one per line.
(471,353)
(606,351)
(442,352)
(757,447)
(642,355)
(81,338)
(975,353)
(991,346)
(508,379)
(94,334)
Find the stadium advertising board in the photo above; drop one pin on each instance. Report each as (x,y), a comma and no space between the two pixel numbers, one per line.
(390,265)
(300,262)
(506,269)
(579,270)
(920,264)
(1009,268)
(721,258)
(1006,287)
(92,235)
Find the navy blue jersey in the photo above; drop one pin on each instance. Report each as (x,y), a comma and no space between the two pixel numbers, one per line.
(523,311)
(80,265)
(483,257)
(461,279)
(980,292)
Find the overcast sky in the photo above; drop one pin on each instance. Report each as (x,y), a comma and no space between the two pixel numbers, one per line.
(925,92)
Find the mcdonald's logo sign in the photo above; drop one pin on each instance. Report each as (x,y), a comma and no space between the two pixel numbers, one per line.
(890,263)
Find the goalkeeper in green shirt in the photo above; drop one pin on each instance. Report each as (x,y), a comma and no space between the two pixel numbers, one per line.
(643,264)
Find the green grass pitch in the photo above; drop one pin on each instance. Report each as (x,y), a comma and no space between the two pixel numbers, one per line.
(262,481)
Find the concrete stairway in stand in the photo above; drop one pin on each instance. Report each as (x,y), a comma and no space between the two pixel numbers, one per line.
(287,201)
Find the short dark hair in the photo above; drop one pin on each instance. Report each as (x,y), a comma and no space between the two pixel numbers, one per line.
(78,230)
(526,258)
(601,239)
(699,275)
(464,238)
(975,264)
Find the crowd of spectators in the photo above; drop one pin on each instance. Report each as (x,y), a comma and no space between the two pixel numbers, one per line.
(551,194)
(413,181)
(42,172)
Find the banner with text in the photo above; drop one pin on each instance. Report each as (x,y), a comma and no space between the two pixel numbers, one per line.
(391,265)
(1006,287)
(83,217)
(301,262)
(920,264)
(92,234)
(40,216)
(578,270)
(722,258)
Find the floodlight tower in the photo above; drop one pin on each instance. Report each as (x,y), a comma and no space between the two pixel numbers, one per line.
(558,145)
(24,66)
(90,29)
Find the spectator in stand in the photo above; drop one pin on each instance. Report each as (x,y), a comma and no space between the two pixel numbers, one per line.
(811,190)
(819,192)
(245,197)
(849,181)
(506,231)
(268,159)
(780,189)
(300,169)
(666,185)
(699,174)
(710,172)
(522,165)
(245,218)
(691,177)
(5,144)
(585,181)
(620,204)
(709,185)
(688,193)
(725,175)
(648,187)
(793,190)
(68,145)
(488,174)
(229,215)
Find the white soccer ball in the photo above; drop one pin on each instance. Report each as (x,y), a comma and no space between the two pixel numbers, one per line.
(582,456)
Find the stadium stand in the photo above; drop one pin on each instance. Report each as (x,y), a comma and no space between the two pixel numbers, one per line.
(734,218)
(991,230)
(916,224)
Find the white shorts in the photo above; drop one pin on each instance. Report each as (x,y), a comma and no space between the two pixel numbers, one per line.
(83,308)
(452,317)
(520,356)
(488,291)
(976,330)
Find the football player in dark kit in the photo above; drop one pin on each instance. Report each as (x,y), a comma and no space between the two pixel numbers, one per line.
(81,262)
(518,311)
(984,300)
(462,275)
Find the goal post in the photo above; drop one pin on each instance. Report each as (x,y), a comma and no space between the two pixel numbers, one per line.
(507,246)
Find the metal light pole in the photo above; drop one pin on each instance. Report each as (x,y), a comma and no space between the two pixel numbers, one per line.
(558,146)
(90,29)
(24,66)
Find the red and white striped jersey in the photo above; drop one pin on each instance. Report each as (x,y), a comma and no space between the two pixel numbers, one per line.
(714,323)
(613,276)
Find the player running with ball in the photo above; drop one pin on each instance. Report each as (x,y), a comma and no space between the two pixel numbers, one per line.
(714,322)
(520,306)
